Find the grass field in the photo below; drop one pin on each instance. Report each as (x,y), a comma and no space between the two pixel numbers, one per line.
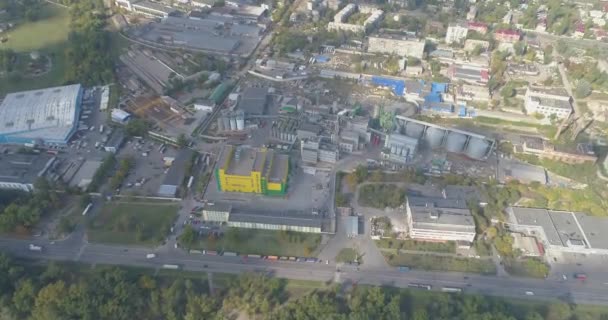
(140,223)
(348,255)
(448,247)
(441,263)
(264,242)
(46,35)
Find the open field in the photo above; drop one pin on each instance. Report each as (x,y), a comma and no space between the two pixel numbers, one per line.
(47,36)
(348,255)
(264,242)
(444,263)
(133,223)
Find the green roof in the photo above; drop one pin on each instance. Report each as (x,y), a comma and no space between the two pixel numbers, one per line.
(220,92)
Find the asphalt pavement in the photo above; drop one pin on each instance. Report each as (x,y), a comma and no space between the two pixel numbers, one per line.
(589,292)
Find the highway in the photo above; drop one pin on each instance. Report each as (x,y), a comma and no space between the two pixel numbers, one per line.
(74,249)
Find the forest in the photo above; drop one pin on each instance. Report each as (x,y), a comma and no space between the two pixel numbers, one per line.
(53,291)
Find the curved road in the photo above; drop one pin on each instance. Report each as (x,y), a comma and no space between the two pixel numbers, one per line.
(74,249)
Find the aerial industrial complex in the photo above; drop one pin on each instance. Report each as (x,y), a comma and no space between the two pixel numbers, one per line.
(46,116)
(249,170)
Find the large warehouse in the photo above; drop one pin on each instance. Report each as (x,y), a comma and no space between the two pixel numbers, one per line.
(46,116)
(250,170)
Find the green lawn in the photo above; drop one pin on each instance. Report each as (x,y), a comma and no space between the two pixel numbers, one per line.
(47,35)
(50,30)
(348,255)
(433,262)
(140,223)
(264,242)
(448,247)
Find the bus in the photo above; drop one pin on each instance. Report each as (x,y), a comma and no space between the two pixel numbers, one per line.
(420,286)
(451,289)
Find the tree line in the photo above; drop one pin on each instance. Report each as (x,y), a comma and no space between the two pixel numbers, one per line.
(23,210)
(56,291)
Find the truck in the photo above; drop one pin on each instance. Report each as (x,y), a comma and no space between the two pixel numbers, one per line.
(451,289)
(580,276)
(230,254)
(34,247)
(420,286)
(170,266)
(273,258)
(403,269)
(151,256)
(101,128)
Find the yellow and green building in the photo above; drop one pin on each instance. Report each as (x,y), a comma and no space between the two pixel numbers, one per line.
(250,170)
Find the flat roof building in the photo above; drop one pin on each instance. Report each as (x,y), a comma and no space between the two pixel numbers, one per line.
(548,102)
(152,9)
(400,148)
(46,116)
(437,219)
(287,220)
(176,174)
(20,171)
(253,101)
(401,47)
(561,231)
(249,170)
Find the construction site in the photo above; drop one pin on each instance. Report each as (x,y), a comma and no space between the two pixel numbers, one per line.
(168,116)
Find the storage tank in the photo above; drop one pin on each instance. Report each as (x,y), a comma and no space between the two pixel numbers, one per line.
(477,148)
(220,124)
(413,130)
(226,122)
(240,121)
(232,123)
(434,137)
(455,142)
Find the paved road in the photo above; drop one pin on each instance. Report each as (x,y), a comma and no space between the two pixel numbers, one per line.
(75,249)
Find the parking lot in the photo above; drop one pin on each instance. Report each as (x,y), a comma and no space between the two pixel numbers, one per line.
(149,168)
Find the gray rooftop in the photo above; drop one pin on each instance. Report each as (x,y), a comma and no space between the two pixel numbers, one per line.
(594,229)
(217,206)
(116,139)
(556,103)
(175,175)
(24,168)
(523,172)
(429,216)
(437,202)
(280,162)
(253,100)
(287,218)
(155,6)
(45,113)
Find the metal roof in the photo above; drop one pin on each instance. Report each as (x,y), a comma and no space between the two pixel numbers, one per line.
(46,113)
(285,218)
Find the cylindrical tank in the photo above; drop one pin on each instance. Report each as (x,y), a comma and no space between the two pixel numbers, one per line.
(455,142)
(434,137)
(240,122)
(232,123)
(220,124)
(226,122)
(477,148)
(413,130)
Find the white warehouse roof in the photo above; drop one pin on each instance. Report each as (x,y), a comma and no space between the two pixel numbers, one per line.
(48,114)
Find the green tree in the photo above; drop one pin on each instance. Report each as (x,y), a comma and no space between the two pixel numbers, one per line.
(137,128)
(188,237)
(583,89)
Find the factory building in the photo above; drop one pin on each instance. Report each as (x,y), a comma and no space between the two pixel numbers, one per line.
(253,101)
(20,171)
(147,8)
(439,219)
(399,148)
(231,121)
(456,33)
(284,129)
(224,213)
(176,174)
(46,116)
(349,141)
(315,150)
(548,101)
(401,47)
(560,231)
(249,170)
(120,116)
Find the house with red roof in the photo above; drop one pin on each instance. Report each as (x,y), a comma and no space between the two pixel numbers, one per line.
(506,35)
(478,27)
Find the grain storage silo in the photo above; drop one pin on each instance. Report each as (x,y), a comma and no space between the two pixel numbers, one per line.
(414,130)
(226,121)
(434,137)
(220,124)
(232,122)
(477,148)
(240,120)
(455,142)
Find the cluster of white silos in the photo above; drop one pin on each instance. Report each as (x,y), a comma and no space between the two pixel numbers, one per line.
(456,141)
(231,121)
(284,129)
